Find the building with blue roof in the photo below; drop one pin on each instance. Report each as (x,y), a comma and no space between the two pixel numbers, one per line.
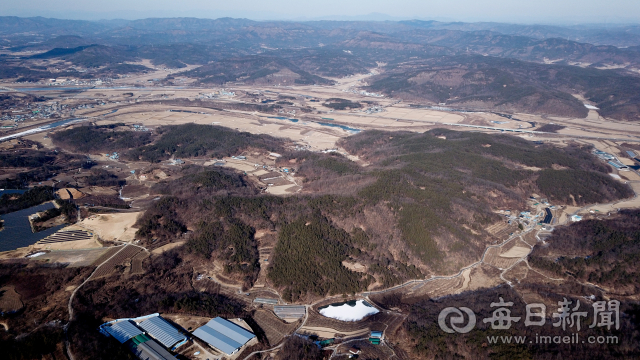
(160,329)
(224,335)
(123,330)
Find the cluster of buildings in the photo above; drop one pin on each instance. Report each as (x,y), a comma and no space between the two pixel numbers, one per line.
(152,337)
(66,82)
(140,128)
(216,94)
(113,156)
(362,92)
(33,110)
(611,160)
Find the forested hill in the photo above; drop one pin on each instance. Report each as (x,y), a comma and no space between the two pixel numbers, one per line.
(421,207)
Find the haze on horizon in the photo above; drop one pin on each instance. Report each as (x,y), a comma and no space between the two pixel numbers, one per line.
(565,12)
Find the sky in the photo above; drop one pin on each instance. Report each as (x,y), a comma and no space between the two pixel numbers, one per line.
(514,11)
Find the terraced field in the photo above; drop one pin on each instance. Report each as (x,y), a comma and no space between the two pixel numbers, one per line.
(123,256)
(493,258)
(136,263)
(316,320)
(274,328)
(501,230)
(9,300)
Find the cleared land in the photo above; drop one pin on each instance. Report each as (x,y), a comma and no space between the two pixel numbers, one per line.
(74,258)
(112,227)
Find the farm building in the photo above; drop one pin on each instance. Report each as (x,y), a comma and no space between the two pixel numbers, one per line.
(159,329)
(137,334)
(289,311)
(123,330)
(223,335)
(147,349)
(376,337)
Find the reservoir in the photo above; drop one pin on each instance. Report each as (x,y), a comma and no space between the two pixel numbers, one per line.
(17,232)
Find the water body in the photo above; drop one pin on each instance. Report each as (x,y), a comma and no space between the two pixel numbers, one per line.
(9,191)
(17,229)
(343,127)
(349,311)
(40,129)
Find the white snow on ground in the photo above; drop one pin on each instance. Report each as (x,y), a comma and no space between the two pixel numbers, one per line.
(590,107)
(36,254)
(346,312)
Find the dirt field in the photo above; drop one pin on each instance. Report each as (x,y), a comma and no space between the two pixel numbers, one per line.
(167,247)
(75,258)
(516,252)
(112,227)
(187,322)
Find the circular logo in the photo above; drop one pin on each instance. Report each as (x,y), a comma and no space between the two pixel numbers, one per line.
(456,319)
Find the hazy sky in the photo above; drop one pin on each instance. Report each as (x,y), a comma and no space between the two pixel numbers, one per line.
(522,11)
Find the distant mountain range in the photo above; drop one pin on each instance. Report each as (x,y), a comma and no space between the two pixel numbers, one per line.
(506,67)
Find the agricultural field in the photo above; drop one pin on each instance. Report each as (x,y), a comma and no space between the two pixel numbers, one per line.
(122,258)
(136,263)
(501,230)
(367,350)
(274,328)
(9,300)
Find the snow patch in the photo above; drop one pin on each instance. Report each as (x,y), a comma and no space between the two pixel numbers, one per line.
(349,311)
(36,254)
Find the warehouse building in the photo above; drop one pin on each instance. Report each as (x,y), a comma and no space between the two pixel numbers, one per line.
(146,348)
(138,335)
(123,331)
(159,329)
(224,335)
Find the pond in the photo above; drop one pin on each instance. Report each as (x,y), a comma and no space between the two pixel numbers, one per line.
(343,127)
(17,229)
(40,129)
(348,311)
